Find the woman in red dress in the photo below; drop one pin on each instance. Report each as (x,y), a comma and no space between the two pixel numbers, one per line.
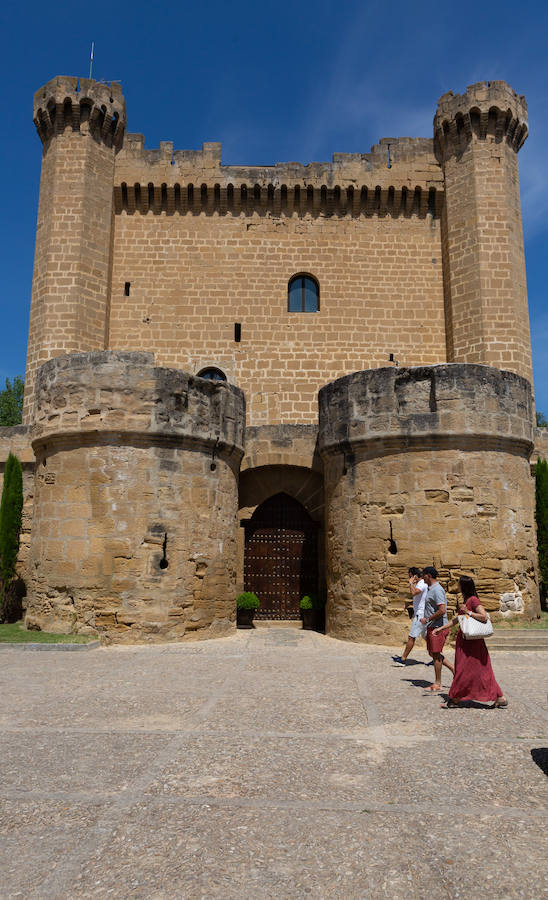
(474,677)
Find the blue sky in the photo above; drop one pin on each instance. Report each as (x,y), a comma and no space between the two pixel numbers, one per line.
(274,81)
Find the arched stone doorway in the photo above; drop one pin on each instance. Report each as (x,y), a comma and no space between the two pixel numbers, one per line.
(280,556)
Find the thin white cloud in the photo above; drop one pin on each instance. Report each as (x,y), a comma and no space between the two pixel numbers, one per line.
(352,104)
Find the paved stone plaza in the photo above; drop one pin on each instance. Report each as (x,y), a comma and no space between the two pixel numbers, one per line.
(272,764)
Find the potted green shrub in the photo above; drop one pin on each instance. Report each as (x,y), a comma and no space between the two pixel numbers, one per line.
(307,612)
(246,604)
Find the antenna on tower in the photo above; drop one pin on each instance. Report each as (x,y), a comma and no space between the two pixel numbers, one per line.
(91,58)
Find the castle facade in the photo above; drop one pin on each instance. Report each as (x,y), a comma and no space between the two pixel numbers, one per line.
(288,379)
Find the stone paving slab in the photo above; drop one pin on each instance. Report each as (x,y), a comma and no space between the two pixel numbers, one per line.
(306,768)
(104,713)
(299,768)
(71,762)
(274,763)
(285,853)
(283,707)
(36,835)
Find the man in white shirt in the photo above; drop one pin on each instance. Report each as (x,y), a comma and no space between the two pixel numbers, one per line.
(419,589)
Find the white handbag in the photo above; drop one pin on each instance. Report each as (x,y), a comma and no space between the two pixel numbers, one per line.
(473,629)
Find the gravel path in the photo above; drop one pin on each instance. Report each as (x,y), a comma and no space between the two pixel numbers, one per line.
(272,764)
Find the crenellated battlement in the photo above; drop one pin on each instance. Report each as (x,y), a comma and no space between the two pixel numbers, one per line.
(393,161)
(386,154)
(485,108)
(83,105)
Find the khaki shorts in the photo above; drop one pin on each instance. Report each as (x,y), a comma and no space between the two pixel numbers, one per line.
(417,628)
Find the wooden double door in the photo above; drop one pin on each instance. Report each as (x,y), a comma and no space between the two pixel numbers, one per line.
(281,557)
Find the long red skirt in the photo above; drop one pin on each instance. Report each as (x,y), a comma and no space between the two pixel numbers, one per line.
(474,678)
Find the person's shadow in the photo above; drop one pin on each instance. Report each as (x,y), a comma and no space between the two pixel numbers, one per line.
(408,664)
(540,757)
(418,682)
(468,704)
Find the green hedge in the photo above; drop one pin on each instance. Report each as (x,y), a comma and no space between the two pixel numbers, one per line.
(311,601)
(247,600)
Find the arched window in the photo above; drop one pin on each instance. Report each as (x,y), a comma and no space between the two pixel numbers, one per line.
(303,294)
(212,374)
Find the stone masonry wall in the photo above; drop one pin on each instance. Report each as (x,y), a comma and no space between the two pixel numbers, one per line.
(203,246)
(193,277)
(134,536)
(442,453)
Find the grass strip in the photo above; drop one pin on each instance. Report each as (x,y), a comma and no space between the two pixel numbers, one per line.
(16,633)
(517,622)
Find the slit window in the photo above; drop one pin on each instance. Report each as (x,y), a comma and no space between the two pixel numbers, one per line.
(127,286)
(303,294)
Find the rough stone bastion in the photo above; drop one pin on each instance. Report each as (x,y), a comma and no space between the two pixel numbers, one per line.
(135,499)
(435,458)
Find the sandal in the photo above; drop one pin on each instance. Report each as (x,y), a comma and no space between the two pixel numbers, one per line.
(433,688)
(501,703)
(449,704)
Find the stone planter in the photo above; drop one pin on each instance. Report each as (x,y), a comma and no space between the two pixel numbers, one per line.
(313,619)
(244,618)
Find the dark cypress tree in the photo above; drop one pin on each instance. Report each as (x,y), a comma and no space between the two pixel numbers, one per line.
(11,508)
(541,490)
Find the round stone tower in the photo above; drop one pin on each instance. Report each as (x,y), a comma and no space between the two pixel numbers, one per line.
(477,136)
(81,125)
(136,498)
(426,466)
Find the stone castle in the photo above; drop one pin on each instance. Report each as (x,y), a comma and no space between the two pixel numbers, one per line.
(285,379)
